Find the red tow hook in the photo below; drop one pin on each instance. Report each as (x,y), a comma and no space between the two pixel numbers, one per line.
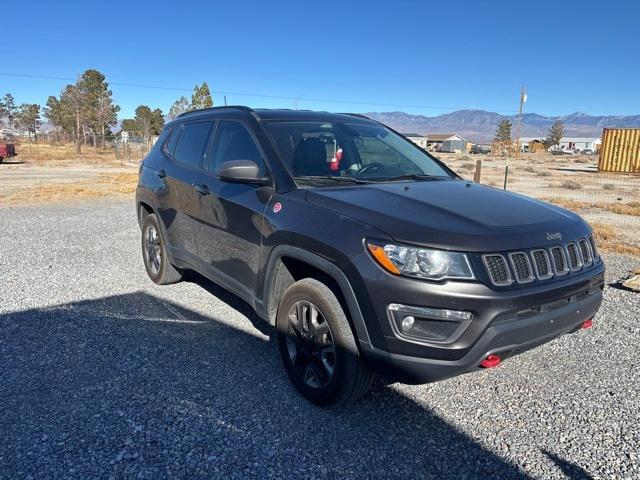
(587,324)
(491,361)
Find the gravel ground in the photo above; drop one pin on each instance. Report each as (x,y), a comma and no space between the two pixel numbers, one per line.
(104,374)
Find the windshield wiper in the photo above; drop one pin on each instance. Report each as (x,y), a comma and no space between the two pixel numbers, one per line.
(332,177)
(410,176)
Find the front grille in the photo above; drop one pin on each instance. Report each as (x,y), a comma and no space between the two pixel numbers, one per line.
(559,261)
(497,269)
(521,267)
(574,258)
(594,250)
(540,263)
(585,251)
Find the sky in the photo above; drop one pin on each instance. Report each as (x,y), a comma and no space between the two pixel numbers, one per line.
(419,57)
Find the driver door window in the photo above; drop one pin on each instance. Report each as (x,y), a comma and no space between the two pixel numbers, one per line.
(233,142)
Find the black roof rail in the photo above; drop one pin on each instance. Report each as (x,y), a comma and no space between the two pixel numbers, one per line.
(359,115)
(223,107)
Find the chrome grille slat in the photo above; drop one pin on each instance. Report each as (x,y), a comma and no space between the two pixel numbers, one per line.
(559,261)
(594,249)
(521,267)
(497,269)
(541,263)
(573,256)
(585,252)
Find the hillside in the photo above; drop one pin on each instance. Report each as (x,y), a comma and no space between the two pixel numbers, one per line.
(480,125)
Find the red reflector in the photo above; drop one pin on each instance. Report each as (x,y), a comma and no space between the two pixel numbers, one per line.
(491,361)
(587,323)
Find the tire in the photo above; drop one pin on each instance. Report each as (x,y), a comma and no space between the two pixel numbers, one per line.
(334,375)
(154,254)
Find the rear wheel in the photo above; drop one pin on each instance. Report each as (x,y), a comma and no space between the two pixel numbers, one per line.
(317,346)
(154,254)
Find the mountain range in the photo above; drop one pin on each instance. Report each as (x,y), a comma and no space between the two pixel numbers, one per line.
(480,125)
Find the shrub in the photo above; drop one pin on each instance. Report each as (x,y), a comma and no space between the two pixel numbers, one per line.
(608,186)
(468,166)
(571,185)
(543,173)
(530,169)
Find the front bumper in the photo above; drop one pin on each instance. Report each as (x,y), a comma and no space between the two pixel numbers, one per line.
(505,322)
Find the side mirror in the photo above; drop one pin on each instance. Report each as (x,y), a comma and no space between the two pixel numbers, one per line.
(245,171)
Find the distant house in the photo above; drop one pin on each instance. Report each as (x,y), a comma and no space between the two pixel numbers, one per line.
(435,140)
(532,145)
(454,144)
(580,143)
(416,138)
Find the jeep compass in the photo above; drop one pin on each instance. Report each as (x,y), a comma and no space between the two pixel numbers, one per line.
(370,257)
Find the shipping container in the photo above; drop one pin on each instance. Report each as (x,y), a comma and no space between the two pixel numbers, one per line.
(620,151)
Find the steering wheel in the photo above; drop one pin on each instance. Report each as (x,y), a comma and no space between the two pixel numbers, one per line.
(372,166)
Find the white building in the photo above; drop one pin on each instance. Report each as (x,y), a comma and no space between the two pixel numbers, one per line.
(580,143)
(419,140)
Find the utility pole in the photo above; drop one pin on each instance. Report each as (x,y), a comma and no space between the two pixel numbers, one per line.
(523,99)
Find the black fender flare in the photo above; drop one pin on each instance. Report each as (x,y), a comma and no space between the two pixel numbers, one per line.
(143,196)
(330,269)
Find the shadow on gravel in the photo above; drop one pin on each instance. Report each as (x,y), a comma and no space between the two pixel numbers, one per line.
(571,470)
(135,386)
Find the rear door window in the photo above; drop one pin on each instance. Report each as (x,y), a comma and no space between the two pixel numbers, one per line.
(192,143)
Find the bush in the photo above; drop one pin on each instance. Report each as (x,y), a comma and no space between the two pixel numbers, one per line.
(608,186)
(571,185)
(530,169)
(543,173)
(468,166)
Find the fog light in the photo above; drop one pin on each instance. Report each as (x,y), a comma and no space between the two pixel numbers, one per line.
(407,323)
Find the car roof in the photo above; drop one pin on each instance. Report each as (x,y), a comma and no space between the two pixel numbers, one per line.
(270,114)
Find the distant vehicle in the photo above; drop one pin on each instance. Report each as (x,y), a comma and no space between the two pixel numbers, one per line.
(7,150)
(587,151)
(369,256)
(562,151)
(483,149)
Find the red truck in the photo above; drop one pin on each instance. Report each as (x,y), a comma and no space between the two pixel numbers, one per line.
(7,150)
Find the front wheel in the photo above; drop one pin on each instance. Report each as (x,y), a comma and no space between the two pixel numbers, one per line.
(154,253)
(317,346)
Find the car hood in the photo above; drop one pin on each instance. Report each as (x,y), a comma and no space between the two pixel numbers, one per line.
(452,214)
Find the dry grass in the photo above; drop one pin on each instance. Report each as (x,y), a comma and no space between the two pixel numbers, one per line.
(609,240)
(41,153)
(102,186)
(631,208)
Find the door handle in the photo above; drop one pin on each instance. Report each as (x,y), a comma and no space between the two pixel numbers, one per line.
(202,189)
(161,173)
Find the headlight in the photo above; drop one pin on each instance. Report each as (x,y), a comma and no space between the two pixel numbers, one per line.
(421,262)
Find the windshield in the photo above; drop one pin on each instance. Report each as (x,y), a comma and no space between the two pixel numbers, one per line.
(357,150)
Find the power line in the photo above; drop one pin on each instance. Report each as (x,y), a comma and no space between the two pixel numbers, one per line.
(259,95)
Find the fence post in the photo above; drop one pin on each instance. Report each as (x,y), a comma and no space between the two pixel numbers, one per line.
(506,175)
(476,176)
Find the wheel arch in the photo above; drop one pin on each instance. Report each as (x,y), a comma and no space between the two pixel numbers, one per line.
(288,264)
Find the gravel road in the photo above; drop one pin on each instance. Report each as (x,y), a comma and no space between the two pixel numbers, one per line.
(104,374)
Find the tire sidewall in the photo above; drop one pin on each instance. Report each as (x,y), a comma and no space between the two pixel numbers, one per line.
(328,305)
(149,221)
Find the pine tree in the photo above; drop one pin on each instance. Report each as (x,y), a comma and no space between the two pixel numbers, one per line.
(8,108)
(201,97)
(28,117)
(503,133)
(180,106)
(556,132)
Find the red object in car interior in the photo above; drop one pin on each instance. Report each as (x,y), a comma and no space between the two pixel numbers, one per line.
(491,361)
